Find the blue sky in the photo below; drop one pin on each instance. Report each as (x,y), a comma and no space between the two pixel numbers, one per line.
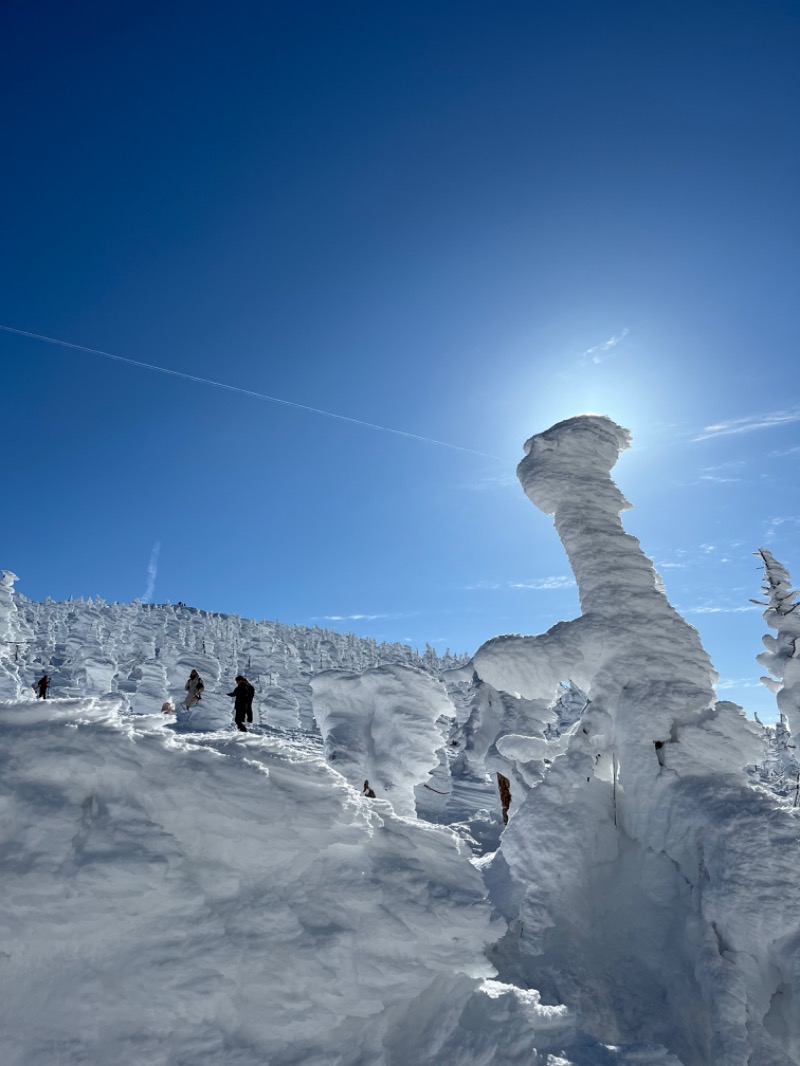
(463,220)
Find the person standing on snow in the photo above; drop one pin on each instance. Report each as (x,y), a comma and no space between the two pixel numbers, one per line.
(194,690)
(243,702)
(42,686)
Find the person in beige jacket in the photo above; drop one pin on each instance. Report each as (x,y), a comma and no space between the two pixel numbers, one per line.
(194,690)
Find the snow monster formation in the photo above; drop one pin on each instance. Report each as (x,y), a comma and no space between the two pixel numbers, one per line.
(382,725)
(14,634)
(782,657)
(647,885)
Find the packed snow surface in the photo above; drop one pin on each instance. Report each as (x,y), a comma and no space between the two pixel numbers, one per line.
(178,894)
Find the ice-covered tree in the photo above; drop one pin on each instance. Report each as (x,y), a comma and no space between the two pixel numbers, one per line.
(782,655)
(12,636)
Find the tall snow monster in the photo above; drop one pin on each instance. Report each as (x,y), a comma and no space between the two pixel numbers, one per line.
(644,877)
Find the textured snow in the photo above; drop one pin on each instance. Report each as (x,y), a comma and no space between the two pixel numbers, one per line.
(176,893)
(382,726)
(186,898)
(642,869)
(782,657)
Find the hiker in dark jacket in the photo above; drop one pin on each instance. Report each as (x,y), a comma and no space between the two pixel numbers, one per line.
(42,686)
(242,702)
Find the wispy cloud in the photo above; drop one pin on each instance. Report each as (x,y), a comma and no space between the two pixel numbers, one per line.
(729,465)
(719,610)
(702,555)
(599,352)
(780,452)
(501,481)
(723,473)
(774,526)
(542,584)
(354,617)
(738,682)
(749,424)
(152,571)
(365,616)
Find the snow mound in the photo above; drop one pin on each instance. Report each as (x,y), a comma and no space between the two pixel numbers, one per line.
(383,726)
(213,898)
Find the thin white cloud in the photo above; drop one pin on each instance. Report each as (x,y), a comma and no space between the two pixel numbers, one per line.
(731,464)
(738,682)
(774,526)
(542,584)
(719,610)
(701,555)
(784,451)
(598,353)
(749,424)
(501,481)
(354,617)
(152,571)
(735,473)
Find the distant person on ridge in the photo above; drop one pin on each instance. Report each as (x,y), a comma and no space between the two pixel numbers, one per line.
(42,686)
(243,702)
(194,690)
(368,792)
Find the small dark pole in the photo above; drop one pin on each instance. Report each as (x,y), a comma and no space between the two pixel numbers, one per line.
(17,645)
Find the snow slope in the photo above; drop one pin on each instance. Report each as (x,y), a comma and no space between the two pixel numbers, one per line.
(203,898)
(143,653)
(176,893)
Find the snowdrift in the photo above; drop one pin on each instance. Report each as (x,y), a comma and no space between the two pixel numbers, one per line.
(173,898)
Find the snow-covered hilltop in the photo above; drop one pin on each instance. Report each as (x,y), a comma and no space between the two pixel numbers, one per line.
(143,653)
(574,854)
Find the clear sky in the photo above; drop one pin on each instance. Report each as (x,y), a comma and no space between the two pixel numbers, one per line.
(461,220)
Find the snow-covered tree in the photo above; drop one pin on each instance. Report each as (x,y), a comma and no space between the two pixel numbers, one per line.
(782,655)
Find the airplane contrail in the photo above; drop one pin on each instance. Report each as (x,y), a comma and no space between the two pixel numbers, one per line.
(247,392)
(152,571)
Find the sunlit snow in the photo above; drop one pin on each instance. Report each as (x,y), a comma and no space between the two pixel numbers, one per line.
(176,893)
